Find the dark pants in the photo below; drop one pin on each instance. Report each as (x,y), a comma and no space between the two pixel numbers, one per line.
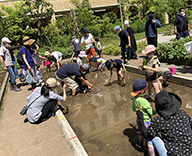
(48,109)
(182,34)
(125,48)
(152,41)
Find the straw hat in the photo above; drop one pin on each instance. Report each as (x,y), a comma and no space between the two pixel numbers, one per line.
(52,82)
(28,41)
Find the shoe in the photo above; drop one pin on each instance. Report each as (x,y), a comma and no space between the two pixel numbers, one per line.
(15,88)
(10,86)
(148,96)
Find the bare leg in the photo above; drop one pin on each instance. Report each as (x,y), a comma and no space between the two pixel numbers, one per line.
(74,92)
(90,62)
(156,87)
(121,75)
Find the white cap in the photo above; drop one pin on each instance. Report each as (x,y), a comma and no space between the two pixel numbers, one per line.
(5,39)
(126,22)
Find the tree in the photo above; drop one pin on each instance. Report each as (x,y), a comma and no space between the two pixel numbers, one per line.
(40,11)
(14,21)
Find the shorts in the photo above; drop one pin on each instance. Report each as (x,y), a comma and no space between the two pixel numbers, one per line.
(77,53)
(167,75)
(146,123)
(89,52)
(72,84)
(151,76)
(99,52)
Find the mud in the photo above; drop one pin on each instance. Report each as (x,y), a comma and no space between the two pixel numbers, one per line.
(103,118)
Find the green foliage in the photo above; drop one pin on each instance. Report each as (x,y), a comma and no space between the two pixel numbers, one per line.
(157,6)
(112,49)
(144,61)
(16,21)
(174,50)
(138,26)
(141,46)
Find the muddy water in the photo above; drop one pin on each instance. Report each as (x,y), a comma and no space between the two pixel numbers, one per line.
(103,119)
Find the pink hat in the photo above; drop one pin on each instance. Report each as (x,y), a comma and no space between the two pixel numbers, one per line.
(82,54)
(148,49)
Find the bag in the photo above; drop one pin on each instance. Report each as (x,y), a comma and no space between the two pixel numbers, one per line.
(19,59)
(24,110)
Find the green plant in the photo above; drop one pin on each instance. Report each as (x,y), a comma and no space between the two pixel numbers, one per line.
(174,50)
(112,49)
(138,26)
(141,46)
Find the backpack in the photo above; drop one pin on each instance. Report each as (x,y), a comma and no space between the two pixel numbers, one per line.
(19,59)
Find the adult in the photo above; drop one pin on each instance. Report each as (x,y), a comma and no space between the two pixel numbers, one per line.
(28,61)
(43,101)
(73,69)
(7,62)
(57,58)
(181,25)
(175,126)
(125,43)
(76,46)
(133,47)
(88,41)
(151,29)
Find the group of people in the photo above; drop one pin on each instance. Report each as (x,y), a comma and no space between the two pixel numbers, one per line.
(174,124)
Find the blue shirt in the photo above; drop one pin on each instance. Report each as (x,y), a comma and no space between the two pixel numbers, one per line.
(124,37)
(179,22)
(117,64)
(28,57)
(151,28)
(69,70)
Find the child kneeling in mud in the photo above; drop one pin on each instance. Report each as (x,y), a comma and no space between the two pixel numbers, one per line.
(110,64)
(139,88)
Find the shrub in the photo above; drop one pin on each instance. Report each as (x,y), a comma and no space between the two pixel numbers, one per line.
(112,49)
(138,26)
(141,46)
(174,50)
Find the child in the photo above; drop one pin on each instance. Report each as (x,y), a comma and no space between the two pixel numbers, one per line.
(100,62)
(120,66)
(152,69)
(82,56)
(174,125)
(139,88)
(47,61)
(99,50)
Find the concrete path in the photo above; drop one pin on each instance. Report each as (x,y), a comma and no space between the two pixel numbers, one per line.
(21,139)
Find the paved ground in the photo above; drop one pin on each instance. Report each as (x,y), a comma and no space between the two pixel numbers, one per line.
(21,139)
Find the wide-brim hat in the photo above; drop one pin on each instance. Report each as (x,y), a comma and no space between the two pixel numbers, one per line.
(52,82)
(149,49)
(47,53)
(85,67)
(167,103)
(82,54)
(139,86)
(28,41)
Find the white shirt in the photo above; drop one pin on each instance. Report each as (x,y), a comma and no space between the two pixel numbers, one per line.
(87,39)
(99,61)
(4,52)
(98,45)
(57,55)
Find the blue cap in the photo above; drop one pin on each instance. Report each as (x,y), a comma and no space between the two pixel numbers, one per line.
(93,59)
(116,27)
(85,30)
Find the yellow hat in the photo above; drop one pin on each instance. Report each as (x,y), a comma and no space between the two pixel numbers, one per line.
(28,41)
(47,53)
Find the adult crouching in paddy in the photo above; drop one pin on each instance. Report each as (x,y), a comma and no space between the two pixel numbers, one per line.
(73,69)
